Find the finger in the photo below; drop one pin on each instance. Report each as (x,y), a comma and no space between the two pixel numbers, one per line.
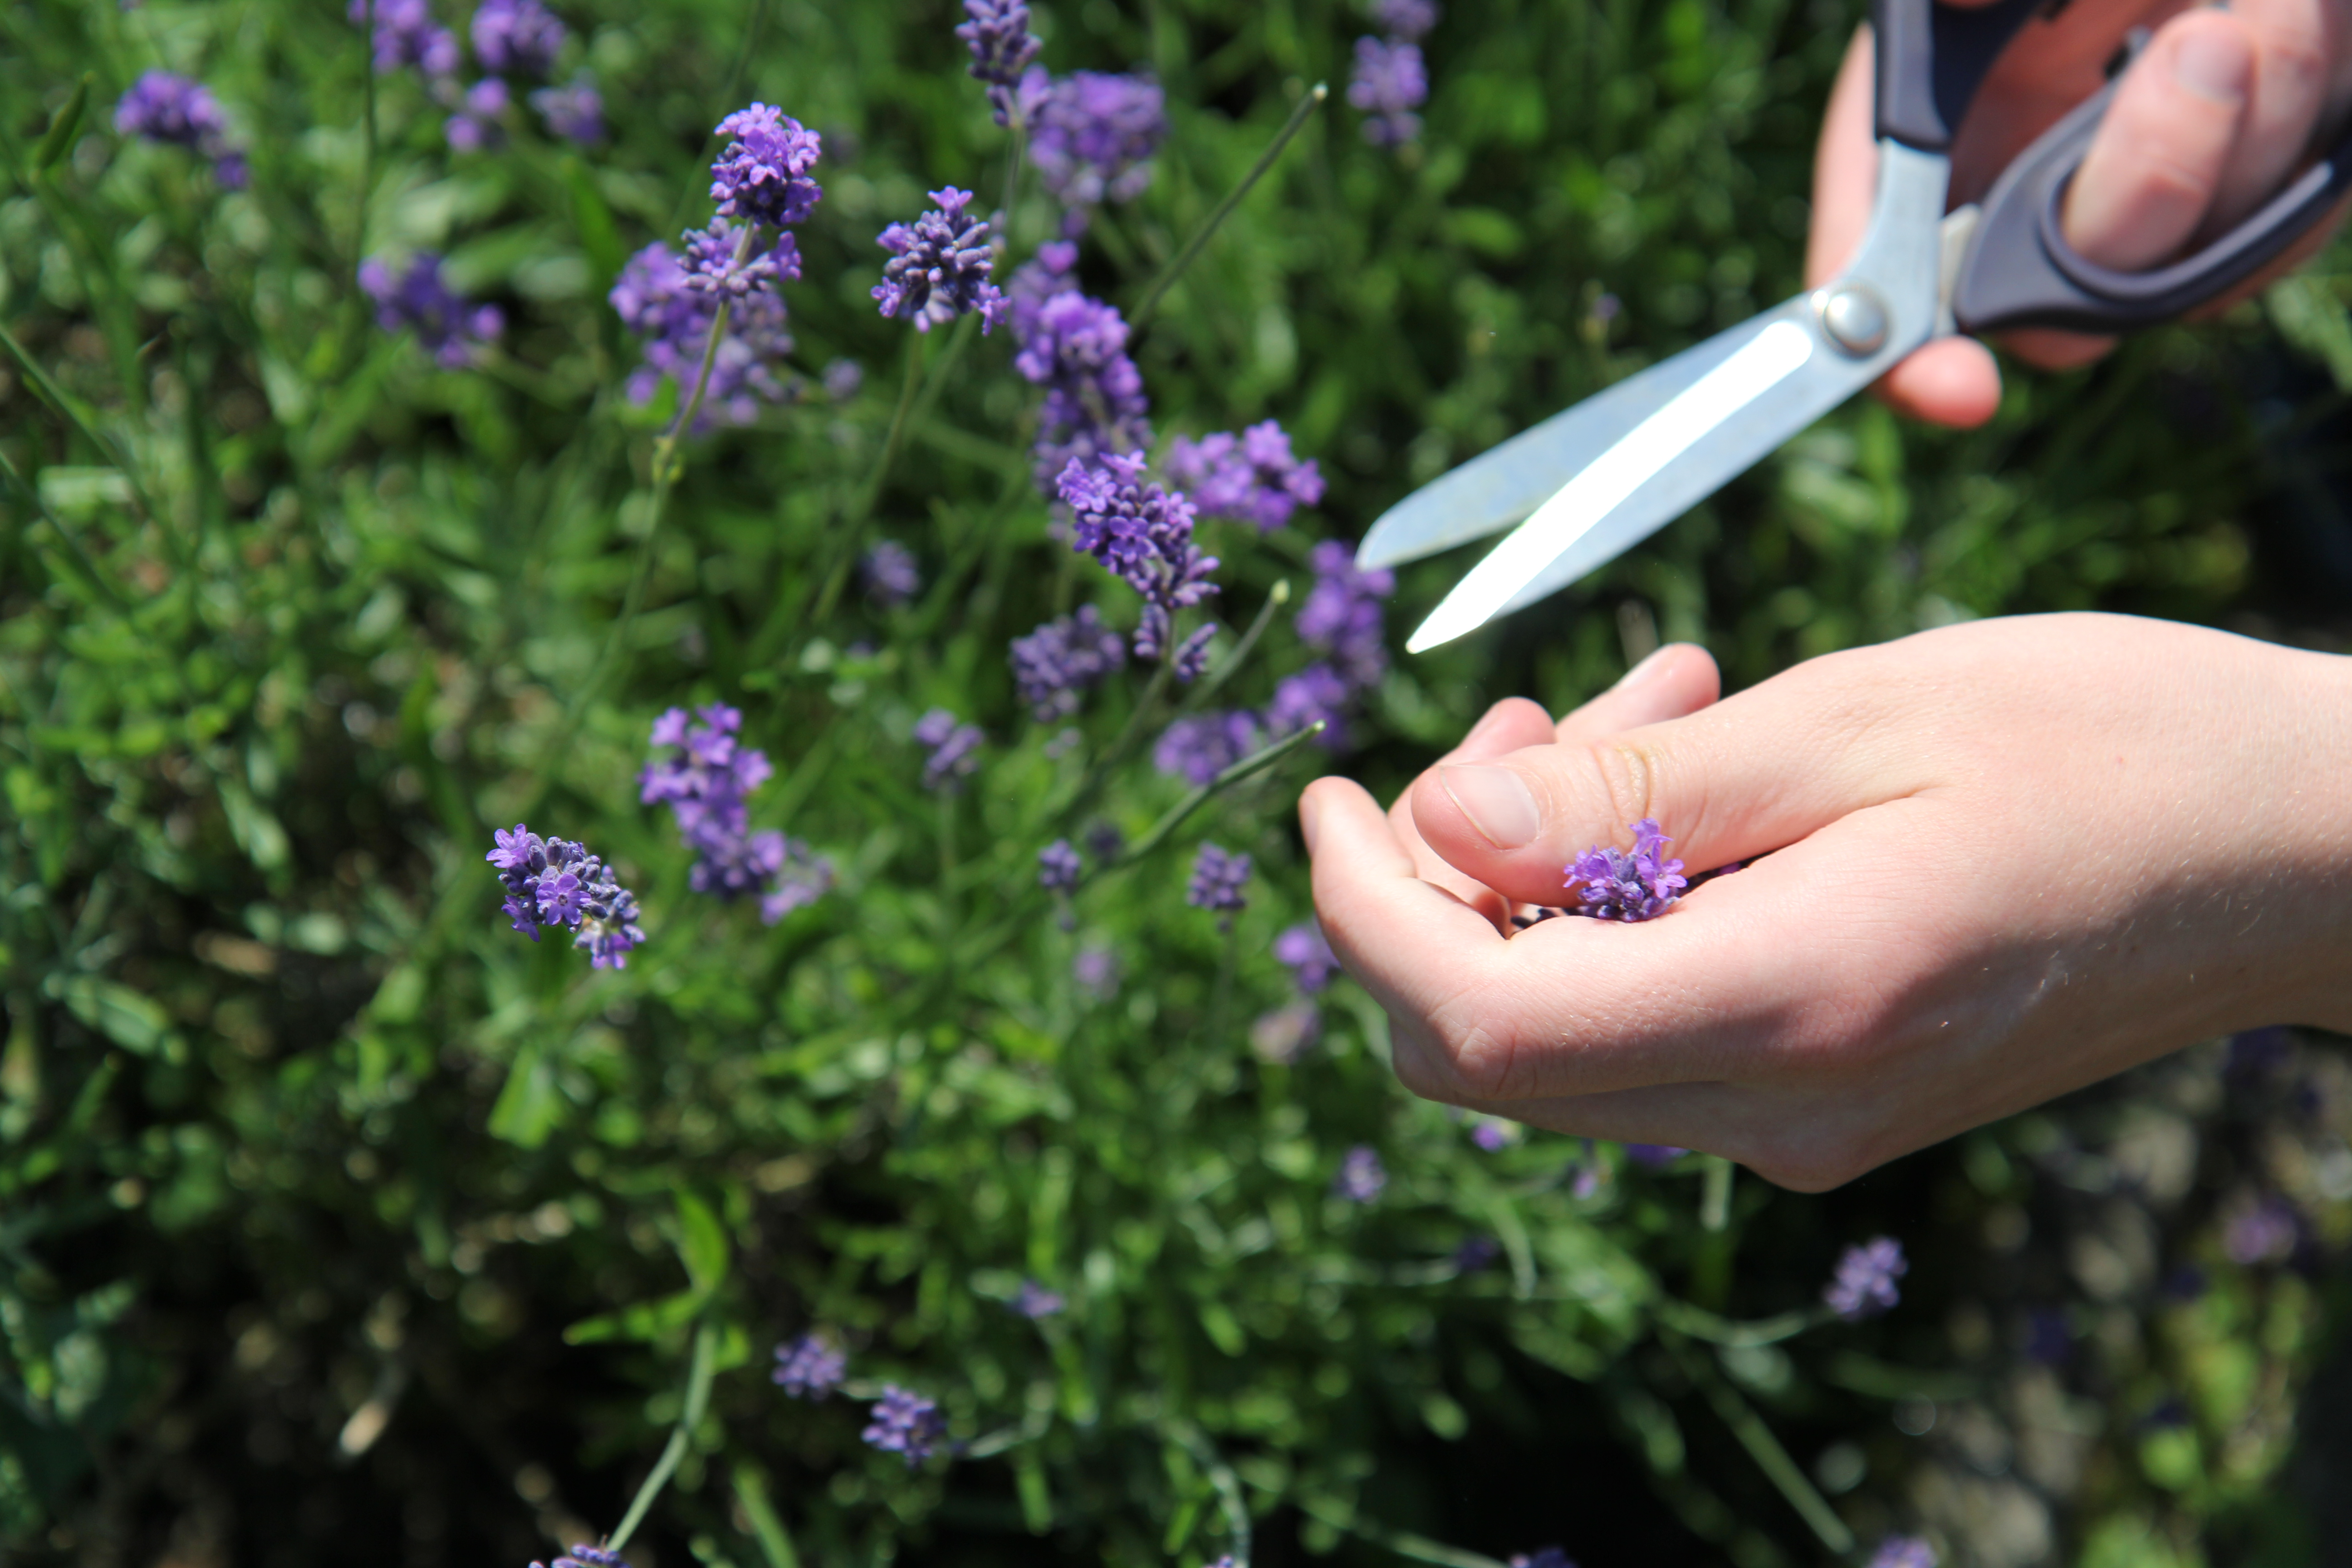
(1756,772)
(1677,679)
(1953,381)
(2296,46)
(2154,169)
(1510,725)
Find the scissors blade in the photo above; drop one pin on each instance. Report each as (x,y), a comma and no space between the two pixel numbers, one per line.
(1729,410)
(1505,483)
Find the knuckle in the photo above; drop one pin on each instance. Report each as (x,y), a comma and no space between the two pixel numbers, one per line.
(1479,1048)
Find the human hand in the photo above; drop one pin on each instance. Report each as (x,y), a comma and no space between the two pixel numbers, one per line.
(2206,124)
(2012,858)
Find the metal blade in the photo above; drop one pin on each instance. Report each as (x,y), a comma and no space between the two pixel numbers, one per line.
(1505,483)
(1778,382)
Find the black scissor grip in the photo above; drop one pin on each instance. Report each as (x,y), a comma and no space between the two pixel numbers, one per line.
(2019,271)
(1932,59)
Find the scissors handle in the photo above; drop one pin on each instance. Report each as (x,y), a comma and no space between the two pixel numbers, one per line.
(2019,272)
(1932,59)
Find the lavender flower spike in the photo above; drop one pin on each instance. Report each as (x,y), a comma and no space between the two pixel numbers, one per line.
(1252,478)
(1904,1552)
(1614,886)
(161,107)
(1144,534)
(704,775)
(939,269)
(1076,348)
(653,298)
(555,882)
(1219,881)
(1058,867)
(574,111)
(1864,1284)
(1405,20)
(445,324)
(1061,658)
(1035,1301)
(954,748)
(1002,48)
(519,35)
(1389,84)
(905,1422)
(406,35)
(762,176)
(1309,957)
(1095,134)
(889,571)
(720,262)
(1361,1175)
(809,1368)
(583,1555)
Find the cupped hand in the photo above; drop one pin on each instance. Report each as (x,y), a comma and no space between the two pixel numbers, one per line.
(2000,860)
(2206,124)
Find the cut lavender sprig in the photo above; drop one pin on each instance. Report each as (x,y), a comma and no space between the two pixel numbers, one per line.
(449,328)
(1612,885)
(939,267)
(1865,1286)
(553,882)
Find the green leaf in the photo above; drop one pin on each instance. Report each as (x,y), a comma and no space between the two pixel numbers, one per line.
(134,1022)
(646,1321)
(63,127)
(529,1105)
(701,1243)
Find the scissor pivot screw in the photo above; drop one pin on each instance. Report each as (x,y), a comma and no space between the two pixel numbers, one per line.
(1853,317)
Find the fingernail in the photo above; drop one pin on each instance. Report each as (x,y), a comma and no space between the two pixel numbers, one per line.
(1643,670)
(2215,63)
(1497,801)
(1310,811)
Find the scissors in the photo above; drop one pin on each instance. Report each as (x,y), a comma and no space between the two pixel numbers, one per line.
(1607,473)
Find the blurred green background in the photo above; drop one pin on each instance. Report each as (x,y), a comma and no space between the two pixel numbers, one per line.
(333,1219)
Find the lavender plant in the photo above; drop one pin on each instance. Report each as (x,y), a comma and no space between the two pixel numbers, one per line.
(955,1045)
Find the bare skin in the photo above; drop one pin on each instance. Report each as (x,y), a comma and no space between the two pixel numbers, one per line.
(2209,122)
(2004,859)
(2008,858)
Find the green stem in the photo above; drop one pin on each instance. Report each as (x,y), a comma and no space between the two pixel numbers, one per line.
(1763,1447)
(56,397)
(1231,665)
(1715,1199)
(1200,237)
(1701,1324)
(1404,1542)
(1248,767)
(73,546)
(752,1492)
(871,493)
(1195,1442)
(698,1397)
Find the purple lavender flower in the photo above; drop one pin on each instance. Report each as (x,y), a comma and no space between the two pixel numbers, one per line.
(1220,881)
(1095,969)
(406,35)
(809,1368)
(703,774)
(842,377)
(1204,745)
(722,262)
(1191,655)
(903,1422)
(1656,1157)
(1491,1136)
(1314,695)
(1308,955)
(1093,135)
(1544,1557)
(555,882)
(1076,348)
(574,111)
(475,124)
(1612,885)
(519,35)
(654,300)
(1390,82)
(1252,478)
(2261,1232)
(583,1555)
(1361,1175)
(891,573)
(1035,1301)
(939,269)
(1144,534)
(1406,20)
(1904,1552)
(445,326)
(1058,867)
(1341,616)
(1063,658)
(1048,275)
(762,176)
(1002,49)
(954,748)
(161,107)
(1865,1283)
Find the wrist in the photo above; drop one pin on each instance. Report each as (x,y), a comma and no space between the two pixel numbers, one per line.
(2311,977)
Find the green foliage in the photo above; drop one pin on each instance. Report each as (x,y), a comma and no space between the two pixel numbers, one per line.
(328,1204)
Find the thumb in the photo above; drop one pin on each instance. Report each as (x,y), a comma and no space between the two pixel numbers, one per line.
(1755,773)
